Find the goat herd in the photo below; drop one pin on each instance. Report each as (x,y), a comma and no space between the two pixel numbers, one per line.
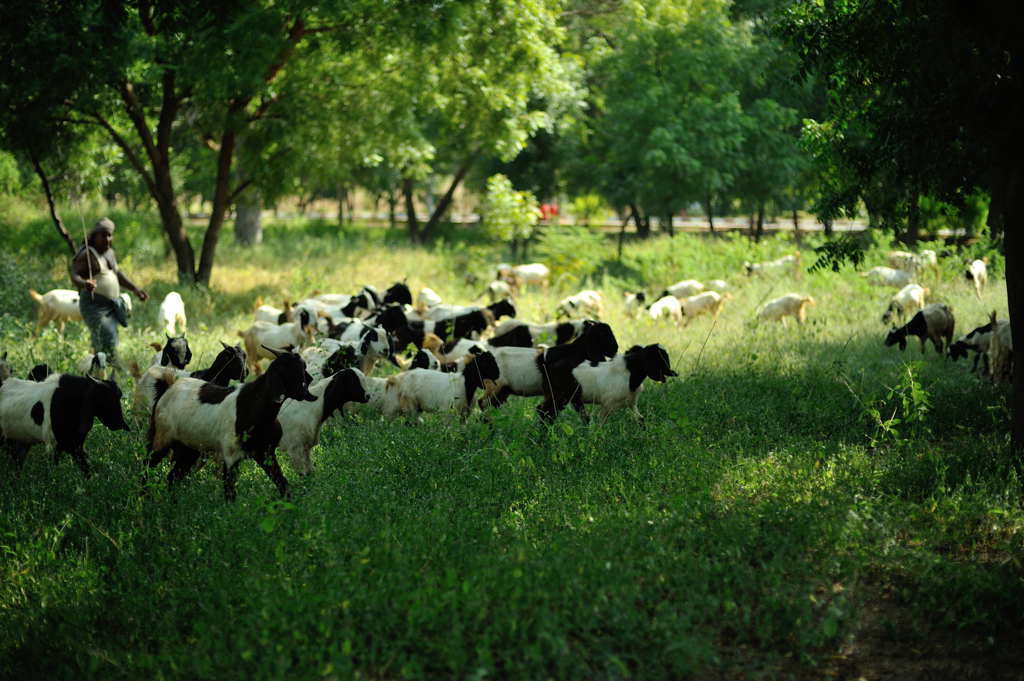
(459,349)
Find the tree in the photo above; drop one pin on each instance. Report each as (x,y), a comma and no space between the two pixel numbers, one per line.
(509,215)
(929,94)
(132,69)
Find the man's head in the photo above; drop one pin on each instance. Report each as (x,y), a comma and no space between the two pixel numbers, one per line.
(101,236)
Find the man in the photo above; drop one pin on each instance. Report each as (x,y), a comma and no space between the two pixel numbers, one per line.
(95,274)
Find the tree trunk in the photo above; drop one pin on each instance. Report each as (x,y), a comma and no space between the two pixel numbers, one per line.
(1013,248)
(796,220)
(643,224)
(53,207)
(913,220)
(760,223)
(342,195)
(668,219)
(350,199)
(711,217)
(622,233)
(828,227)
(392,201)
(446,200)
(410,211)
(995,210)
(221,203)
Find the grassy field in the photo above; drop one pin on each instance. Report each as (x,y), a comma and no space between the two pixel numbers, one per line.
(785,483)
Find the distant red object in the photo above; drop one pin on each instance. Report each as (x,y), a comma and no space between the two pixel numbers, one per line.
(548,211)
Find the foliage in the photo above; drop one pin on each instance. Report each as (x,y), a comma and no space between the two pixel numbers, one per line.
(509,214)
(746,512)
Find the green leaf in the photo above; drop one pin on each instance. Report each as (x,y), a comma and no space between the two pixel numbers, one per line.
(268,524)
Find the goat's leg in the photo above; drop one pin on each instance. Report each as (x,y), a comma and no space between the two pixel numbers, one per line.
(184,461)
(80,457)
(268,462)
(155,457)
(230,476)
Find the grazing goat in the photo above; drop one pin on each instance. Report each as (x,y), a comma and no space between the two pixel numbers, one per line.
(502,308)
(617,383)
(557,333)
(288,336)
(399,293)
(935,322)
(1001,349)
(556,364)
(58,413)
(426,299)
(979,341)
(61,305)
(406,331)
(269,313)
(977,272)
(709,301)
(424,359)
(785,265)
(534,274)
(886,276)
(94,364)
(421,390)
(635,302)
(930,260)
(175,353)
(683,289)
(332,356)
(301,421)
(171,314)
(909,298)
(499,290)
(902,260)
(229,365)
(517,337)
(719,285)
(585,302)
(790,305)
(667,306)
(237,423)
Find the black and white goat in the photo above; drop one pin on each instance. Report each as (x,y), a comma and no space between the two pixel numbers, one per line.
(58,413)
(422,390)
(519,374)
(408,332)
(175,353)
(556,365)
(372,345)
(39,373)
(301,421)
(399,293)
(229,365)
(237,423)
(502,308)
(552,333)
(617,383)
(977,341)
(935,322)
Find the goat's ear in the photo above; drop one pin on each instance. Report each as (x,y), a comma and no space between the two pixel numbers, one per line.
(594,353)
(88,409)
(188,354)
(226,346)
(654,363)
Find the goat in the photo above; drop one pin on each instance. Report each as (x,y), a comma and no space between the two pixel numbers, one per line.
(902,260)
(421,390)
(584,302)
(534,274)
(977,340)
(399,293)
(499,290)
(94,364)
(617,383)
(930,260)
(977,272)
(373,344)
(1001,349)
(58,413)
(555,364)
(558,333)
(171,314)
(518,374)
(792,305)
(502,308)
(634,302)
(237,423)
(39,373)
(175,353)
(909,298)
(886,276)
(288,336)
(683,289)
(426,299)
(61,305)
(667,306)
(935,322)
(786,264)
(229,365)
(301,421)
(709,301)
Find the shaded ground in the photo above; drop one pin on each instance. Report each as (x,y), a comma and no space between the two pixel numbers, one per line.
(892,643)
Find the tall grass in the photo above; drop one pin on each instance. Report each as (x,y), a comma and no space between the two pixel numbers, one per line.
(738,526)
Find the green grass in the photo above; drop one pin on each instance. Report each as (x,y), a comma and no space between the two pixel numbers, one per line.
(752,510)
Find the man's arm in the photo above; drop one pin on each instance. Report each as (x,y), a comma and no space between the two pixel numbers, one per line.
(130,285)
(80,273)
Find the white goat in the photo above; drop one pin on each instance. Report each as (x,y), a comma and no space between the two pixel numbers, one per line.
(61,305)
(635,302)
(667,307)
(584,302)
(902,260)
(709,301)
(907,299)
(684,289)
(1000,348)
(301,421)
(288,336)
(171,315)
(518,374)
(977,272)
(786,264)
(790,305)
(886,276)
(426,299)
(421,390)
